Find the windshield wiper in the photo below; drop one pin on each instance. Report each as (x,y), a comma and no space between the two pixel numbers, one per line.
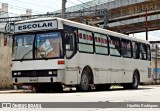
(25,55)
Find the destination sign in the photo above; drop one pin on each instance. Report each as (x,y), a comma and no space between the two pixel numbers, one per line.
(35,26)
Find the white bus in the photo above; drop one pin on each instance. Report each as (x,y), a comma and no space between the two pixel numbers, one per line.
(52,52)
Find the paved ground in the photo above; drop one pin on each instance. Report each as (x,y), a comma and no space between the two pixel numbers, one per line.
(143,94)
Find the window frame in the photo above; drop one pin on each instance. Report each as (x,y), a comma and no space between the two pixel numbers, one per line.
(82,43)
(127,48)
(36,33)
(141,51)
(137,51)
(148,57)
(96,45)
(75,44)
(110,36)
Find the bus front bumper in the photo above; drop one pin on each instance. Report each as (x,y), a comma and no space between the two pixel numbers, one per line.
(42,76)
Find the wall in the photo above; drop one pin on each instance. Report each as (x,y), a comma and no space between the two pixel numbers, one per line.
(153,66)
(5,61)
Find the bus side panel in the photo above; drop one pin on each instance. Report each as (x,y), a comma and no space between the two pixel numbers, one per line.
(116,69)
(71,77)
(106,69)
(86,59)
(72,70)
(143,70)
(99,65)
(102,69)
(129,67)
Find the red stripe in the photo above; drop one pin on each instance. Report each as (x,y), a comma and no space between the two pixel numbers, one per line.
(95,39)
(98,39)
(80,35)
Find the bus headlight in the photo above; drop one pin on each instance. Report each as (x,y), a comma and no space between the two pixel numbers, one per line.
(50,72)
(19,73)
(54,72)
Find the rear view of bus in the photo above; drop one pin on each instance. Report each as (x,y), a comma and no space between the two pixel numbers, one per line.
(38,54)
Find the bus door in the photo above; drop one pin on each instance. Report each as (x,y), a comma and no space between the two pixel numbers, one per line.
(71,60)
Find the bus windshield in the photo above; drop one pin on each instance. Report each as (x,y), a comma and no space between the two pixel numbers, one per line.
(37,46)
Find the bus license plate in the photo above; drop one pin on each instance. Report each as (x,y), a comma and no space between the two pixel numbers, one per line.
(33,79)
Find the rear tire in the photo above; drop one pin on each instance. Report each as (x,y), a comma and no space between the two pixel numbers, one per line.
(135,82)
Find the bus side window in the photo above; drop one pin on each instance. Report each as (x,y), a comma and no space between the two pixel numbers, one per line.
(114,46)
(148,53)
(135,50)
(143,51)
(126,48)
(85,43)
(101,44)
(70,43)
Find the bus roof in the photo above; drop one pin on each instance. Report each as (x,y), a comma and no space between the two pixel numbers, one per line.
(83,26)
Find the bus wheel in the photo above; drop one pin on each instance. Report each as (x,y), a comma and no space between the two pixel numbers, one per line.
(84,83)
(135,82)
(102,87)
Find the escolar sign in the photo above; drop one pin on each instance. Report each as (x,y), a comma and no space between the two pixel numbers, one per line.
(33,26)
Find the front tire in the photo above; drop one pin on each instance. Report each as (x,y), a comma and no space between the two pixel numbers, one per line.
(84,83)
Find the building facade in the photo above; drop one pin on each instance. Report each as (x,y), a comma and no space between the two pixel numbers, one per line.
(3,13)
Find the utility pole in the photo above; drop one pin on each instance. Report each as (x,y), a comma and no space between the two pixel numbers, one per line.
(81,16)
(156,63)
(146,25)
(106,17)
(63,8)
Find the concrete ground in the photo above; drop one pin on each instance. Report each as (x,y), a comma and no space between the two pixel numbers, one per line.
(150,93)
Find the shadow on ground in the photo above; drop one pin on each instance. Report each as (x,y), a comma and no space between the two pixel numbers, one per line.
(73,90)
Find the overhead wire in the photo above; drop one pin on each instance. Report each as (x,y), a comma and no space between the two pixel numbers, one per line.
(71,2)
(91,6)
(35,4)
(10,13)
(78,4)
(49,7)
(84,3)
(22,8)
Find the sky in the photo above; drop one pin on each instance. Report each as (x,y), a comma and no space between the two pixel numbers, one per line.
(38,6)
(17,7)
(152,35)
